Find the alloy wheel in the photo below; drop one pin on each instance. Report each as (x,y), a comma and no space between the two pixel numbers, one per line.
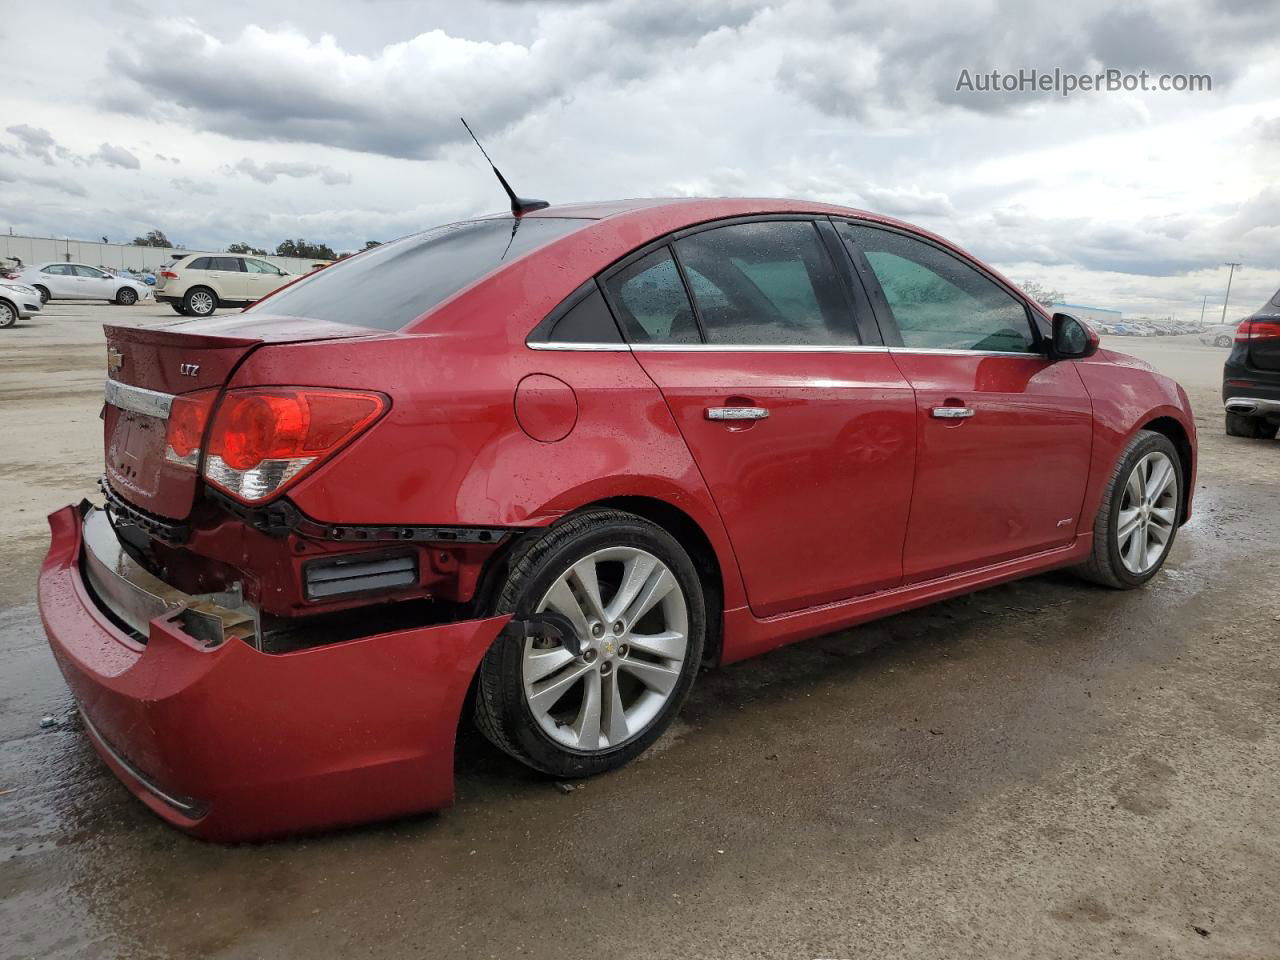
(201,303)
(1148,512)
(632,624)
(8,316)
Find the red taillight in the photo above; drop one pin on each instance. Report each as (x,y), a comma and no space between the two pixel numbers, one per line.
(1251,330)
(262,439)
(168,275)
(187,418)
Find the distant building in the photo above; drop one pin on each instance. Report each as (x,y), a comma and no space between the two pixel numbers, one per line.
(1098,314)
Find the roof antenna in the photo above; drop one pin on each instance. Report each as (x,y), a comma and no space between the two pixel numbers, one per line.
(519,205)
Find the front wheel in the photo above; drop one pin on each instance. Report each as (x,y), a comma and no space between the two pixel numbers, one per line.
(1223,341)
(8,314)
(636,604)
(1139,515)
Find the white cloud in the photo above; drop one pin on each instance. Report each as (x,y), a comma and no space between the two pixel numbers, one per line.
(114,156)
(298,170)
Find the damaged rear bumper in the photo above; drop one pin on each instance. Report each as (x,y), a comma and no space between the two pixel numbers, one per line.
(230,743)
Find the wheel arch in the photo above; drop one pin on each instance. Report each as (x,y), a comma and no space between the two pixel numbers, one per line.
(671,518)
(1177,435)
(693,538)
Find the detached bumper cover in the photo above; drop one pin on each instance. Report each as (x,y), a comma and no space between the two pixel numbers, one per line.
(232,744)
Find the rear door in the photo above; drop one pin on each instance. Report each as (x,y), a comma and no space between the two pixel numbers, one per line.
(229,278)
(1004,435)
(800,425)
(61,280)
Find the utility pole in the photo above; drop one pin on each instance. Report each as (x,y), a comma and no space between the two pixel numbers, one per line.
(1202,309)
(1228,296)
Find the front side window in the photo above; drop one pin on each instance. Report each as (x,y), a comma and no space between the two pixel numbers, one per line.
(230,264)
(89,272)
(392,285)
(258,266)
(766,283)
(937,300)
(650,301)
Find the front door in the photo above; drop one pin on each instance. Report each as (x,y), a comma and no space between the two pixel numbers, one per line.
(94,283)
(260,278)
(1004,435)
(803,433)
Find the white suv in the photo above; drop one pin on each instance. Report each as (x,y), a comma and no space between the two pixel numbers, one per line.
(199,283)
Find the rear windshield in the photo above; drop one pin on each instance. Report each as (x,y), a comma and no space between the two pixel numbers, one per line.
(390,285)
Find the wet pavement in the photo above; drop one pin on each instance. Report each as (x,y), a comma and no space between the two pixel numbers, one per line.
(1043,769)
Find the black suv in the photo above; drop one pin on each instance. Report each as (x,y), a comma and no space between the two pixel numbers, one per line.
(1251,376)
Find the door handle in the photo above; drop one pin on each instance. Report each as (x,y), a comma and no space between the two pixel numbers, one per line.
(952,413)
(737,413)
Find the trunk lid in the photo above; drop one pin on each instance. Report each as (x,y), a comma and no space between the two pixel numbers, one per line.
(148,366)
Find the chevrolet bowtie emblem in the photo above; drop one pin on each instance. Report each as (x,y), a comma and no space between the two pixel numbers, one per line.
(115,360)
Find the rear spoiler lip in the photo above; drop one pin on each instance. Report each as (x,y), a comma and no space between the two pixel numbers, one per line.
(238,330)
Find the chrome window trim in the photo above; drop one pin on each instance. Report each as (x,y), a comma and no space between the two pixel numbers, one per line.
(765,348)
(953,352)
(756,348)
(125,396)
(589,347)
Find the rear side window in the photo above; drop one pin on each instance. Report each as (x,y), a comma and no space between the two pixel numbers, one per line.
(199,263)
(587,321)
(231,264)
(395,283)
(937,300)
(651,302)
(767,283)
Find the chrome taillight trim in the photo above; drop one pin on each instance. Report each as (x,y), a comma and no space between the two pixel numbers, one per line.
(149,403)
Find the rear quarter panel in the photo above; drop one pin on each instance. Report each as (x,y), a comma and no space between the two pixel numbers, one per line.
(1127,394)
(451,450)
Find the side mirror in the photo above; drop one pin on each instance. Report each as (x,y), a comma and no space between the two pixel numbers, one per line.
(1072,339)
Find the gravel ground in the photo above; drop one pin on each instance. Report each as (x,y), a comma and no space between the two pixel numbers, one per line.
(1044,769)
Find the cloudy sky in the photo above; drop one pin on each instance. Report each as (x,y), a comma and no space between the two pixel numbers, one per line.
(336,120)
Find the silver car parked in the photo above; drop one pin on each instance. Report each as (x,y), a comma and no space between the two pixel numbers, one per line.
(79,281)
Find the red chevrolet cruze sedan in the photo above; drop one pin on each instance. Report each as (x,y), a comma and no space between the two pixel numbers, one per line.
(544,468)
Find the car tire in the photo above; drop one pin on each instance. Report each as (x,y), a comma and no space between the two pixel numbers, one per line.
(126,296)
(8,314)
(44,293)
(179,309)
(199,302)
(1251,428)
(1126,556)
(1223,341)
(615,664)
